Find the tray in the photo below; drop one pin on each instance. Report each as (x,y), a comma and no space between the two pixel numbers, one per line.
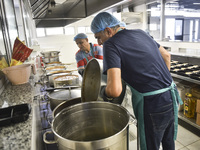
(14,114)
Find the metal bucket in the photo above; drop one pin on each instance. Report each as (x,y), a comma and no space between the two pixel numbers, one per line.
(91,126)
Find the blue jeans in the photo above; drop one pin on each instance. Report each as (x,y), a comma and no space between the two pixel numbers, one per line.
(159,128)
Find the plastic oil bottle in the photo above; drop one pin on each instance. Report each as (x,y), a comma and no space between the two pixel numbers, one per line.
(189,106)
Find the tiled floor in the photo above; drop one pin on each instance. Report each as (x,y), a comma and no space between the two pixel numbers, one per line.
(186,140)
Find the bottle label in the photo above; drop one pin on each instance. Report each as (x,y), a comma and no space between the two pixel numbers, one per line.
(186,107)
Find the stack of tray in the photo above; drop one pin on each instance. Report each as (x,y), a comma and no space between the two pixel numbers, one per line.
(185,69)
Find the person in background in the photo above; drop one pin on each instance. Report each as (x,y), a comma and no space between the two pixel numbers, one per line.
(144,65)
(86,52)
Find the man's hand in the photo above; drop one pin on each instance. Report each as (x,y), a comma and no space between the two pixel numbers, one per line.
(116,100)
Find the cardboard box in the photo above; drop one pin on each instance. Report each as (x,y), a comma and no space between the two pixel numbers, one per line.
(196,91)
(198,106)
(198,119)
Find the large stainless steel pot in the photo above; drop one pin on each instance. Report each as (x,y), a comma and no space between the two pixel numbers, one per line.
(54,68)
(46,54)
(91,126)
(53,64)
(54,59)
(60,96)
(66,80)
(54,53)
(52,76)
(64,105)
(46,59)
(50,53)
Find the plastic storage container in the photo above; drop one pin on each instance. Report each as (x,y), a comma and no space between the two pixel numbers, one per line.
(18,74)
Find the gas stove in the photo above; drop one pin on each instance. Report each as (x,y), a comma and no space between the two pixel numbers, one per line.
(45,119)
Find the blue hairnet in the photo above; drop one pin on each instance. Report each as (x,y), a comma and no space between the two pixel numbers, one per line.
(122,24)
(102,21)
(80,36)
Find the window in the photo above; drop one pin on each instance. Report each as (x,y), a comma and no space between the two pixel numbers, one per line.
(169,30)
(81,30)
(196,29)
(88,30)
(178,27)
(69,31)
(54,31)
(153,27)
(40,32)
(191,30)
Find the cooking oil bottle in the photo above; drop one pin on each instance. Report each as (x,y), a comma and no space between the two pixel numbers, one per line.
(189,106)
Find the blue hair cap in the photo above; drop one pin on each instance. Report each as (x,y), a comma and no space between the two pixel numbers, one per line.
(102,21)
(80,36)
(122,24)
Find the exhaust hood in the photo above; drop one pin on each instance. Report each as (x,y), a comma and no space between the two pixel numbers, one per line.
(59,13)
(131,17)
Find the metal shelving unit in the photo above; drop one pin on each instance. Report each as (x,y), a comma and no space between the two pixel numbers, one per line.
(189,123)
(185,78)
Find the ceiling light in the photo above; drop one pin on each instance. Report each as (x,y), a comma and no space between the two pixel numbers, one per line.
(196,3)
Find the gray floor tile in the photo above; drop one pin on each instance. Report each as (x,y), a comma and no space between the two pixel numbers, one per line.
(186,137)
(178,145)
(194,146)
(184,148)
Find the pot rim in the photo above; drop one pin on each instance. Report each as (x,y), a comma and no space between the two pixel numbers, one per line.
(56,74)
(53,112)
(95,141)
(61,90)
(45,52)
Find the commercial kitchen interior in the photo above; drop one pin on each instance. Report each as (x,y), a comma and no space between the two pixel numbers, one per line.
(50,25)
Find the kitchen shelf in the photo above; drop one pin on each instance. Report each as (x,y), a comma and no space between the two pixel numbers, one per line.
(188,123)
(185,78)
(186,55)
